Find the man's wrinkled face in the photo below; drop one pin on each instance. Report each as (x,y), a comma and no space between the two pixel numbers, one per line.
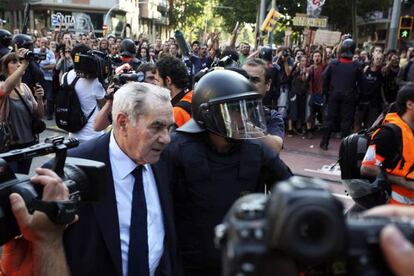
(257,78)
(144,140)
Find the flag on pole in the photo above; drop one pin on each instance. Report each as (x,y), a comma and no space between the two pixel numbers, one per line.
(315,7)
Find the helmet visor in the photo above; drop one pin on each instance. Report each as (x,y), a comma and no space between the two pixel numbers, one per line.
(242,119)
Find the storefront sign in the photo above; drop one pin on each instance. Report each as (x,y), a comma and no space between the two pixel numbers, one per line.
(60,19)
(305,21)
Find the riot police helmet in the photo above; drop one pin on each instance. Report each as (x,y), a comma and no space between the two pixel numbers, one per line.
(266,53)
(22,41)
(225,103)
(347,49)
(127,48)
(5,38)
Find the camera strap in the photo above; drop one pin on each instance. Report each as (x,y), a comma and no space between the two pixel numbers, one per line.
(60,212)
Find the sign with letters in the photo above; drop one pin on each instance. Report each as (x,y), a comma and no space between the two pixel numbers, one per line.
(306,21)
(327,38)
(60,19)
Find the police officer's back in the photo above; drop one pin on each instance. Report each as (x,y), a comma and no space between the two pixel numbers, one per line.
(215,161)
(341,79)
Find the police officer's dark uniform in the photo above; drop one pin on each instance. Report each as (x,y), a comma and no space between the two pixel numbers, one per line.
(341,79)
(206,182)
(33,73)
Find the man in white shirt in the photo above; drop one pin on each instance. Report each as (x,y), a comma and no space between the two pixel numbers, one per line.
(91,97)
(47,65)
(116,237)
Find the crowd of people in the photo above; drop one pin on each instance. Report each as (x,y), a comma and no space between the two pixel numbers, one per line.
(174,156)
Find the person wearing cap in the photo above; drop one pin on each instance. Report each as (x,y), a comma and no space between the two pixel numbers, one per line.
(216,157)
(393,150)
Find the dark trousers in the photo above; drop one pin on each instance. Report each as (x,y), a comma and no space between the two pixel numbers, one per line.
(50,98)
(341,110)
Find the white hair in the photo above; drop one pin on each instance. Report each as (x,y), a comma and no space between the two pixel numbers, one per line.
(132,99)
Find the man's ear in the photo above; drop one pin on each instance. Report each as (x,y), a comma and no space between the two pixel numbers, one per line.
(168,81)
(410,104)
(122,122)
(268,84)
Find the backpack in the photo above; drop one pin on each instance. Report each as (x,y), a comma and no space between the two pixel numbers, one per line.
(68,111)
(353,148)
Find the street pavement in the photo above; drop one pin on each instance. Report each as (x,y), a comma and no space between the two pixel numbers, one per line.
(305,158)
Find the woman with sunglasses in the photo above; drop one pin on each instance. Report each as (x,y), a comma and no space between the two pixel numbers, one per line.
(12,94)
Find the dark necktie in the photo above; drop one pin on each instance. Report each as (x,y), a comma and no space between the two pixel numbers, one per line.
(138,236)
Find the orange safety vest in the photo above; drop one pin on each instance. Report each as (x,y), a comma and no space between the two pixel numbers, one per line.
(405,166)
(181,116)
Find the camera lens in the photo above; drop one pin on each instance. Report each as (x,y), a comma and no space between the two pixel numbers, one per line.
(312,232)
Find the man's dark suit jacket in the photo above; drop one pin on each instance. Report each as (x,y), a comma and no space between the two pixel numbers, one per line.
(93,243)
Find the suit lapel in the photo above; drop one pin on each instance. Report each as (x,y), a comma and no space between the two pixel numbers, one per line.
(161,178)
(106,209)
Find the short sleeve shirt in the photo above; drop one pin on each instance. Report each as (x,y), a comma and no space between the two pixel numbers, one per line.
(384,150)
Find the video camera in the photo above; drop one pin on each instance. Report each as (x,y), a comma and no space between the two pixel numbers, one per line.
(83,178)
(123,78)
(301,227)
(29,55)
(94,64)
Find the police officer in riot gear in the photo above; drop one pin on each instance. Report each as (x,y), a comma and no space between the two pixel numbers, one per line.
(5,40)
(33,74)
(341,79)
(127,50)
(215,158)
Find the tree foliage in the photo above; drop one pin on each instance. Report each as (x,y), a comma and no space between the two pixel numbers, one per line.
(232,11)
(339,12)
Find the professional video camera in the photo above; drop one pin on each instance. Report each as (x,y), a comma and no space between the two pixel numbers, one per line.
(123,78)
(94,64)
(301,227)
(29,55)
(83,178)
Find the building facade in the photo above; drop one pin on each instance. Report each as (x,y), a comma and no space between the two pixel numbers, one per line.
(149,17)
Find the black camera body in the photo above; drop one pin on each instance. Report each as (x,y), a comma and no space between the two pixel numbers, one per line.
(92,65)
(285,53)
(301,227)
(123,78)
(30,55)
(84,179)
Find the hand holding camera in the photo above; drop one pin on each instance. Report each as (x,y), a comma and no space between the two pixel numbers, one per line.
(38,90)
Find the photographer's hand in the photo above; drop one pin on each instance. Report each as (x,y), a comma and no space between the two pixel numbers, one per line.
(398,251)
(39,251)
